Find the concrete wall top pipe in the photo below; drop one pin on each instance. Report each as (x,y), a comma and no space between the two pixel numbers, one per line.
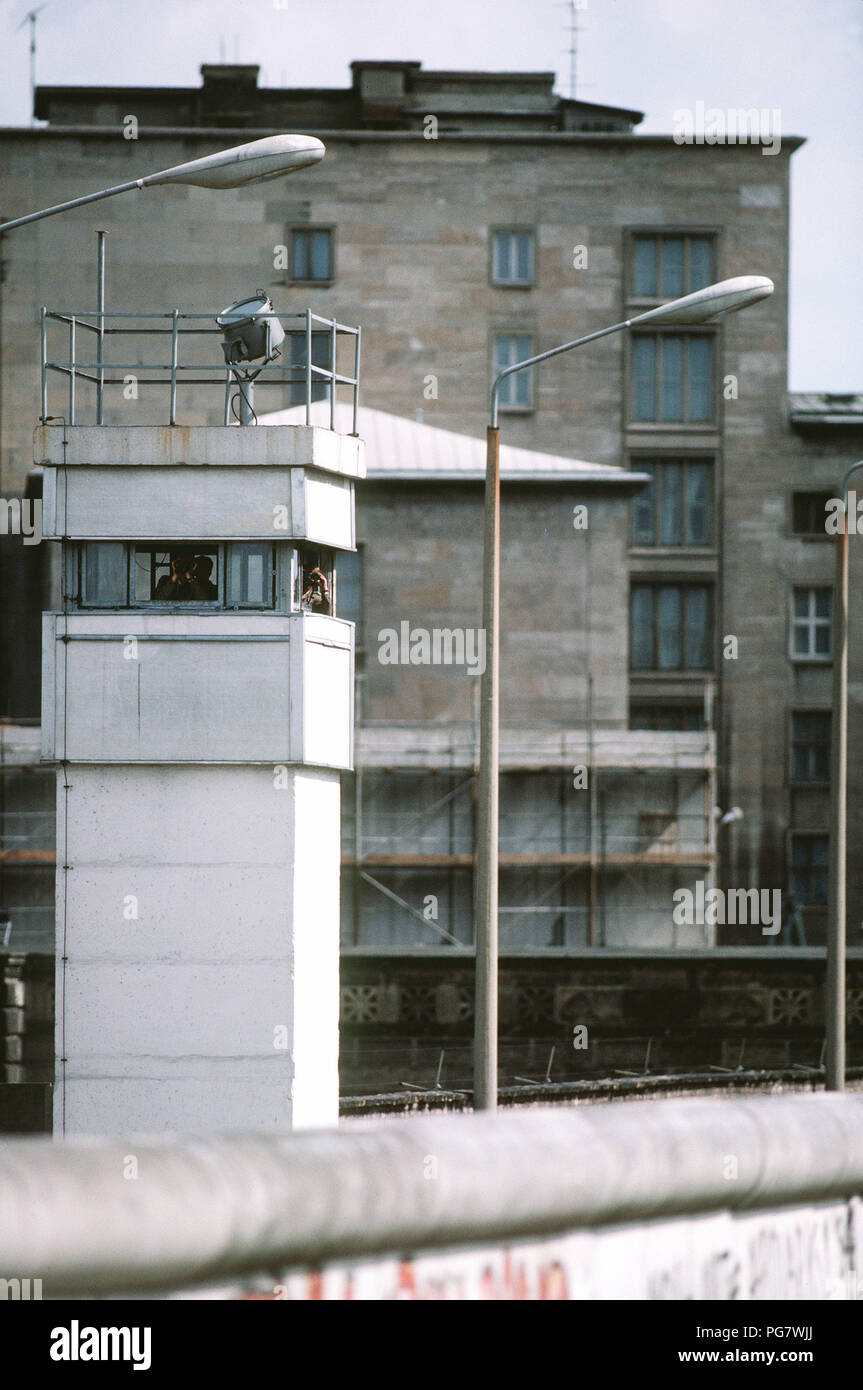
(204,1208)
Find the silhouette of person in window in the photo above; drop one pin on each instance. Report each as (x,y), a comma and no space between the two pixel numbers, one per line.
(179,584)
(793,930)
(316,591)
(202,584)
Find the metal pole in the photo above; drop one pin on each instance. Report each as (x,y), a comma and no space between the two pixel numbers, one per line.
(175,352)
(835,984)
(485,1036)
(100,313)
(332,374)
(837,907)
(591,813)
(246,391)
(72,322)
(44,334)
(357,378)
(73,203)
(308,366)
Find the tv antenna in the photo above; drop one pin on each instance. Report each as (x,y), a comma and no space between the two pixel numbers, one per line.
(574,29)
(30,18)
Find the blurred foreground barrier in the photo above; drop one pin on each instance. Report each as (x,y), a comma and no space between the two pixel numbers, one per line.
(681,1198)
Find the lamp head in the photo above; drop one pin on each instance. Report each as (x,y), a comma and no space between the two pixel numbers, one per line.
(270,158)
(251,333)
(709,304)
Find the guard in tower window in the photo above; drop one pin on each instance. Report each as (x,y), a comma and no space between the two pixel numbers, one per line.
(316,591)
(179,584)
(202,584)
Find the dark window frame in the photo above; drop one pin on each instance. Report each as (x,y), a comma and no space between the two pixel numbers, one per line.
(687,234)
(324,557)
(811,745)
(516,408)
(359,621)
(808,870)
(220,604)
(684,586)
(182,605)
(813,496)
(812,622)
(656,716)
(659,335)
(307,228)
(655,462)
(506,229)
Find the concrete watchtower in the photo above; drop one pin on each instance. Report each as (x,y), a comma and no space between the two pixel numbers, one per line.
(197,701)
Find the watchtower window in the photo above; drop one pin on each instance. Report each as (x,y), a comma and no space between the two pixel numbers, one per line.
(249,576)
(184,573)
(315,580)
(202,576)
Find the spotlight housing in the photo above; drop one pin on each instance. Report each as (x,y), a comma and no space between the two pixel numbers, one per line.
(249,334)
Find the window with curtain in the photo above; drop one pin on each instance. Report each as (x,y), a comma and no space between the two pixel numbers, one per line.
(668,266)
(671,627)
(512,261)
(672,378)
(516,391)
(676,506)
(311,254)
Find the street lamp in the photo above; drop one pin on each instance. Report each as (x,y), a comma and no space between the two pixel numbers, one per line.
(836,910)
(704,306)
(254,162)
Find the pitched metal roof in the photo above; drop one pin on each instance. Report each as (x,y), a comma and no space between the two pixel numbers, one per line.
(825,407)
(409,450)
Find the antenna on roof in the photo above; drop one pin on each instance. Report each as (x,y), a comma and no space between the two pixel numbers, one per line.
(30,18)
(574,29)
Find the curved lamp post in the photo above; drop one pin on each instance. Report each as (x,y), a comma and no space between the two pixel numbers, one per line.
(704,306)
(254,162)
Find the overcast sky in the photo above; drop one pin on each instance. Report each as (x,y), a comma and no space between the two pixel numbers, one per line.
(656,56)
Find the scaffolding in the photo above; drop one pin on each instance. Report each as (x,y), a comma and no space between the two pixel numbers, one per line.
(587,817)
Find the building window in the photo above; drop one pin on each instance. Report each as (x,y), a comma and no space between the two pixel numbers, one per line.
(516,391)
(197,574)
(672,378)
(249,576)
(666,267)
(512,258)
(349,589)
(315,580)
(810,746)
(189,573)
(311,255)
(670,627)
(812,624)
(809,513)
(675,508)
(104,575)
(809,860)
(663,718)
